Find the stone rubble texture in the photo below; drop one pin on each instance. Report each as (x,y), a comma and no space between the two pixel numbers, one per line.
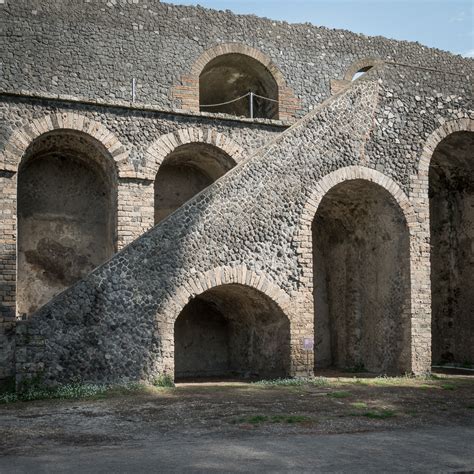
(68,66)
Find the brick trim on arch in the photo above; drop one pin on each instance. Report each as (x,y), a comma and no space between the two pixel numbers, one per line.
(323,186)
(421,257)
(339,176)
(361,64)
(240,274)
(164,145)
(201,282)
(417,310)
(187,91)
(337,85)
(22,138)
(420,182)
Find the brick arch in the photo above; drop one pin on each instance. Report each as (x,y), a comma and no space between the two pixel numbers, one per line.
(163,146)
(195,285)
(304,242)
(360,64)
(350,173)
(337,85)
(218,276)
(187,92)
(22,138)
(420,182)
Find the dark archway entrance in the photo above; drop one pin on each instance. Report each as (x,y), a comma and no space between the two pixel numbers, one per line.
(66,215)
(230,76)
(232,331)
(185,172)
(451,192)
(361,280)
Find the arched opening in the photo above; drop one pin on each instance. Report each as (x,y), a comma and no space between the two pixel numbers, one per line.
(66,214)
(361,280)
(451,193)
(231,76)
(361,72)
(185,172)
(232,331)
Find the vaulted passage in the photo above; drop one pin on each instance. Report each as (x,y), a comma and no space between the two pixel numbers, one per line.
(185,172)
(232,331)
(361,280)
(451,191)
(66,215)
(231,76)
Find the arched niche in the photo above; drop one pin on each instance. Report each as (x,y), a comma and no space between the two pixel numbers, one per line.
(66,214)
(451,197)
(361,278)
(185,172)
(232,331)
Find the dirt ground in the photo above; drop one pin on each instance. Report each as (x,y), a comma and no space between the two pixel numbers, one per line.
(330,405)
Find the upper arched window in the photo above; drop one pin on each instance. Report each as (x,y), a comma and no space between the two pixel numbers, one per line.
(237,84)
(361,67)
(361,72)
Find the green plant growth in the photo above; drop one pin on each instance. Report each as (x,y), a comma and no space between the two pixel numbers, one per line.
(359,405)
(32,391)
(293,382)
(339,394)
(379,415)
(164,381)
(260,419)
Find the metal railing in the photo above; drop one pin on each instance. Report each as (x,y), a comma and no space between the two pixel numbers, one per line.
(250,95)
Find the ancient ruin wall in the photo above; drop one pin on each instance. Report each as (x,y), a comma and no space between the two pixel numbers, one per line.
(93,49)
(413,105)
(248,221)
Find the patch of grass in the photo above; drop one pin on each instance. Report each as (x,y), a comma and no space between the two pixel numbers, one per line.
(69,392)
(294,382)
(257,419)
(260,419)
(379,415)
(360,405)
(404,380)
(163,381)
(339,394)
(448,386)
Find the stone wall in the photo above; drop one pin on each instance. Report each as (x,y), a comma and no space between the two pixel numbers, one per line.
(129,146)
(94,48)
(7,350)
(253,226)
(259,235)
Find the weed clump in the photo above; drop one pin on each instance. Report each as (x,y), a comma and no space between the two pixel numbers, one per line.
(294,382)
(376,414)
(67,392)
(163,381)
(284,419)
(339,394)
